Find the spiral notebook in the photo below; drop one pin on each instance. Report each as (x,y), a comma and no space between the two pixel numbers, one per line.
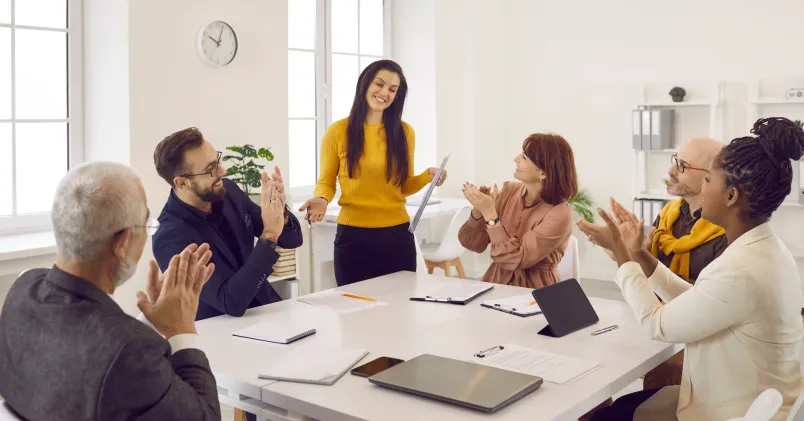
(314,365)
(280,333)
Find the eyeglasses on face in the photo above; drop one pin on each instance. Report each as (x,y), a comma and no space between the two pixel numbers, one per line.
(151,225)
(683,166)
(212,173)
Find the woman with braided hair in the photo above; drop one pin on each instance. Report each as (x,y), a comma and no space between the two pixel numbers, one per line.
(741,321)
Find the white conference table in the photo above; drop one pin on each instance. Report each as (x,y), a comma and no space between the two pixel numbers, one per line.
(406,329)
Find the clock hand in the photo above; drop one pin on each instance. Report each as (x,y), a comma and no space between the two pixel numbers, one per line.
(217,43)
(220,35)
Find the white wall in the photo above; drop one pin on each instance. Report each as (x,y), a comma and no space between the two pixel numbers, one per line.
(470,68)
(145,81)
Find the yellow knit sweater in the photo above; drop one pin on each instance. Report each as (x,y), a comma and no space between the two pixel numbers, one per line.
(367,201)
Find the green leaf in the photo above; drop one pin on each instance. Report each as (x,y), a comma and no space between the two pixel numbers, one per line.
(244,165)
(266,153)
(582,204)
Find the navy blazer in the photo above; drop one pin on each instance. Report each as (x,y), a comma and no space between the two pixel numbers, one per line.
(232,289)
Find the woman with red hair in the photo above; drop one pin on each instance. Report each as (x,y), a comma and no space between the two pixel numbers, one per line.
(528,223)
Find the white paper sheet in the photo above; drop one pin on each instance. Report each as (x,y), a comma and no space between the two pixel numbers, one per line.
(335,301)
(519,304)
(553,368)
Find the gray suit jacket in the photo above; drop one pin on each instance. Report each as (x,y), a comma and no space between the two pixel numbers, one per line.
(68,352)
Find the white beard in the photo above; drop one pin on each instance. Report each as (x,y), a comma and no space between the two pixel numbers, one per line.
(125,272)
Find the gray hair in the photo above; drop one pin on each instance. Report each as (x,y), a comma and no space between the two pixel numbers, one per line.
(93,202)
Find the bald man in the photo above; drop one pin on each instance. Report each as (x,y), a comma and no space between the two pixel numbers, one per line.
(686,177)
(680,227)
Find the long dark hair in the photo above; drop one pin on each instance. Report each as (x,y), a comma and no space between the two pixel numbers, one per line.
(396,156)
(759,166)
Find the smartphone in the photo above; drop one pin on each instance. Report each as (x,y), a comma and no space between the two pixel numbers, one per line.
(373,367)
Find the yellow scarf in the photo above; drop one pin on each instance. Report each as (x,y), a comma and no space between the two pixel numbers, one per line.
(663,239)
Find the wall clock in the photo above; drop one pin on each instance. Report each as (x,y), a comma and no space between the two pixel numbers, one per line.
(217,43)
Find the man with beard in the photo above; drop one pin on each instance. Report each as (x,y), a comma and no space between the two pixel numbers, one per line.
(204,207)
(69,352)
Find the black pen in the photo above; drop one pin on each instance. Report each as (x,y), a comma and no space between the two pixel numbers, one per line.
(309,225)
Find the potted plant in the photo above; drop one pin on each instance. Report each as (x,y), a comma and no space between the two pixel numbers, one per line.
(243,169)
(677,94)
(582,204)
(799,122)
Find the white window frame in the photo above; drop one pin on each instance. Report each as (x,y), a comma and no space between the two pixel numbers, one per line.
(16,224)
(323,75)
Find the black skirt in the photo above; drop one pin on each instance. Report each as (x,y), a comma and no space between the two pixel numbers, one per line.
(366,253)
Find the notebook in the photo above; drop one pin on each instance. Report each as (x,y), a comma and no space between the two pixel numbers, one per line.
(280,333)
(455,293)
(518,305)
(314,364)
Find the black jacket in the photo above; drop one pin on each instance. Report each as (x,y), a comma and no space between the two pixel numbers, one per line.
(240,280)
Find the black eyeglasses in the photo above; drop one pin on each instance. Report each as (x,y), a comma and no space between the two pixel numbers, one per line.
(212,173)
(682,166)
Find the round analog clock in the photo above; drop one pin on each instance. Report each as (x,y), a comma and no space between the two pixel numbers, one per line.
(217,43)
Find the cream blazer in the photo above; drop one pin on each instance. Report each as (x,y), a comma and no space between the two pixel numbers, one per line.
(741,323)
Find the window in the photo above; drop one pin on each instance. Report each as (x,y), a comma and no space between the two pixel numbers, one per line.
(329,43)
(39,114)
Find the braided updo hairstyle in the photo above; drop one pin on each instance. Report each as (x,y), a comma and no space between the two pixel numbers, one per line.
(759,166)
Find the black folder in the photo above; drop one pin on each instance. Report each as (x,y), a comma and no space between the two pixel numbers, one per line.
(566,308)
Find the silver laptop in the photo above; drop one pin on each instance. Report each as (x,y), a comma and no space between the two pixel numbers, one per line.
(462,383)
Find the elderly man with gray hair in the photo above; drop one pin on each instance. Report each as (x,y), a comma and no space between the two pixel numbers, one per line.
(69,352)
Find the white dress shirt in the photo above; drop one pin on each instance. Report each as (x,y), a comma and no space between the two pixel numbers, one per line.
(741,323)
(177,342)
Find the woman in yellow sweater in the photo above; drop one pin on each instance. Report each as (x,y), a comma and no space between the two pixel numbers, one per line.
(370,153)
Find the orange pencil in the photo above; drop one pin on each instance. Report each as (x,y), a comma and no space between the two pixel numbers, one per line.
(532,303)
(358,297)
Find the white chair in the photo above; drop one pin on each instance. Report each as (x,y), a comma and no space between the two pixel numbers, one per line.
(796,414)
(764,407)
(447,254)
(6,414)
(570,265)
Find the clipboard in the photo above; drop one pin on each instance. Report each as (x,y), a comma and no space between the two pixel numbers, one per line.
(509,310)
(444,295)
(518,305)
(415,222)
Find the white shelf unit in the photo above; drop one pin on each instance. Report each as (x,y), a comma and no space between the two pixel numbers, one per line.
(710,103)
(756,100)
